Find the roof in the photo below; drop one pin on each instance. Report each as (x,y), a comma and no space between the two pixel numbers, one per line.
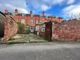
(37,15)
(27,14)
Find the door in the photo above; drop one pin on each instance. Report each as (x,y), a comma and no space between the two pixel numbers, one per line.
(48,31)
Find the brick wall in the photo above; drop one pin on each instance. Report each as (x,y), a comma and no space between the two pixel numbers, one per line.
(10,28)
(67,31)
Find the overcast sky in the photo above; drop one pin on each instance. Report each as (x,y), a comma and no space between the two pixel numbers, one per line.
(62,8)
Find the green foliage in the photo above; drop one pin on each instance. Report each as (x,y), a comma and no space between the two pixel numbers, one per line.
(20,27)
(27,30)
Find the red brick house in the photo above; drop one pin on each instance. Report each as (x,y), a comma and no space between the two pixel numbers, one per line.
(34,21)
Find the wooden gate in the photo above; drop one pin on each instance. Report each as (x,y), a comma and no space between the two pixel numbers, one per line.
(48,31)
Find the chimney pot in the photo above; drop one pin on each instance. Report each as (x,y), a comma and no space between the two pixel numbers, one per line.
(43,13)
(31,13)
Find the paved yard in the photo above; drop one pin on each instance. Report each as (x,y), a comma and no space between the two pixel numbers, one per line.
(27,38)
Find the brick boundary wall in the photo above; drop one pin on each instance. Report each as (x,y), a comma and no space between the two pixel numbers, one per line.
(10,28)
(68,31)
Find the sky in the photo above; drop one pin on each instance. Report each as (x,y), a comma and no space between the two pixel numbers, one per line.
(58,8)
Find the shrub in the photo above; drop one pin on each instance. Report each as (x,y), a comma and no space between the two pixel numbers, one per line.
(27,30)
(20,27)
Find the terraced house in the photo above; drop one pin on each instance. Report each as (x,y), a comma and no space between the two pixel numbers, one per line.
(36,23)
(34,20)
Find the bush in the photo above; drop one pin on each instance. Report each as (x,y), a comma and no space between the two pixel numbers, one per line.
(20,27)
(27,30)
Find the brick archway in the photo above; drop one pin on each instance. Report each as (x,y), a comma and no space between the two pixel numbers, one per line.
(8,27)
(1,24)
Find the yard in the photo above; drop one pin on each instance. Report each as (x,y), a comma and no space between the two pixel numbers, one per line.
(26,38)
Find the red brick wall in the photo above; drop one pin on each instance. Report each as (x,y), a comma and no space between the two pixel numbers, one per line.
(67,31)
(10,28)
(28,20)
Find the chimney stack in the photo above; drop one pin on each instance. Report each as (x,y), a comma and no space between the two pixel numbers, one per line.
(16,12)
(43,13)
(30,13)
(6,11)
